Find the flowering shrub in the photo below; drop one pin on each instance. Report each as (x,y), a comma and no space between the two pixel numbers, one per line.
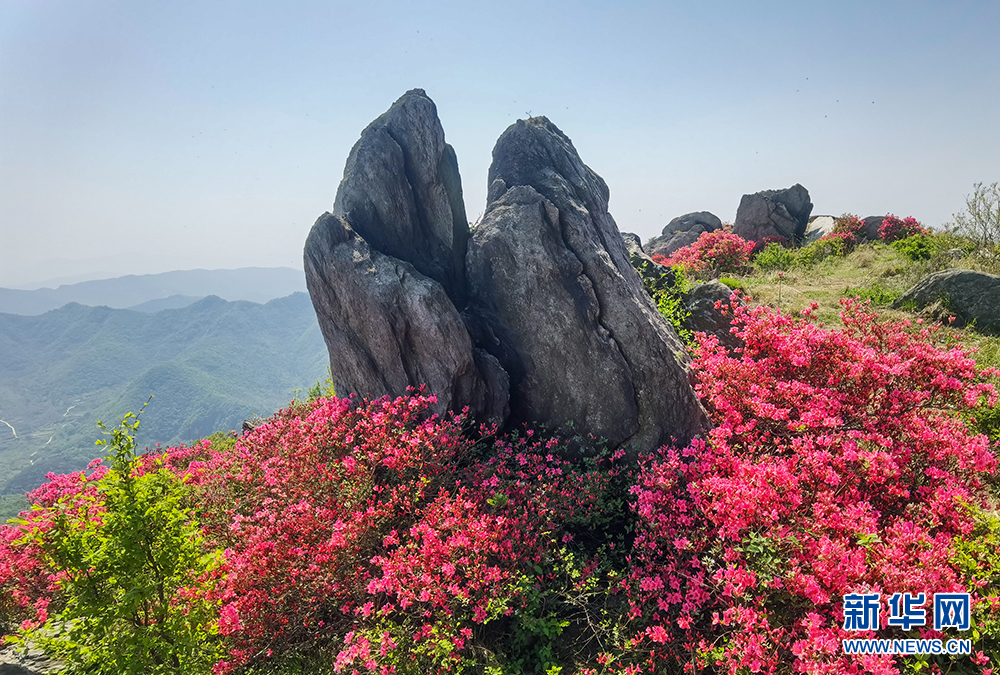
(715,252)
(356,529)
(118,575)
(849,227)
(839,464)
(894,228)
(377,537)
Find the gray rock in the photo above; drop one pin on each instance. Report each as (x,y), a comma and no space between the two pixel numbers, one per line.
(774,213)
(872,224)
(633,244)
(542,319)
(655,277)
(564,311)
(971,297)
(18,660)
(683,231)
(387,326)
(818,226)
(402,193)
(705,317)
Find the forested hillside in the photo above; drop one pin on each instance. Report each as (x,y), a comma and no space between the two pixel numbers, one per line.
(209,366)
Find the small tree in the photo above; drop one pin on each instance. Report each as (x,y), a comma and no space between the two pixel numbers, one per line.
(980,221)
(132,570)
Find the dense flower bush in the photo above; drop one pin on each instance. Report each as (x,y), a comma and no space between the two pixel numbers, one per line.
(894,228)
(839,464)
(717,252)
(850,227)
(377,537)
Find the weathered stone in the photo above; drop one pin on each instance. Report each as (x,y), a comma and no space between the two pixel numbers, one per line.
(774,213)
(567,316)
(818,227)
(654,276)
(633,244)
(539,316)
(402,192)
(872,225)
(971,297)
(20,660)
(705,317)
(683,231)
(387,326)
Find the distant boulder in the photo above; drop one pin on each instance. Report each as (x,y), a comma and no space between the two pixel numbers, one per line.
(682,231)
(819,226)
(971,297)
(872,225)
(774,214)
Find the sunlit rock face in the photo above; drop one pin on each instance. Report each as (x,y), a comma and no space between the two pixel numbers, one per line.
(536,317)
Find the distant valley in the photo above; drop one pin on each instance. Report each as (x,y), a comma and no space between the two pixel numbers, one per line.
(209,364)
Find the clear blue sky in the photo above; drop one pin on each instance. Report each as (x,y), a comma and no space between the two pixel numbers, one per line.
(141,137)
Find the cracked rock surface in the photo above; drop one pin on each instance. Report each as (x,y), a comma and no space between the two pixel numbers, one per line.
(536,317)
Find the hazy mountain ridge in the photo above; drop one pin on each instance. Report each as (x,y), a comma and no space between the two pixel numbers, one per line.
(254,284)
(209,365)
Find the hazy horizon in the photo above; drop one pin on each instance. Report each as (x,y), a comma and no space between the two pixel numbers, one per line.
(138,139)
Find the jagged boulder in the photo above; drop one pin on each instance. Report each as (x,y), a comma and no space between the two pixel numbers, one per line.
(386,270)
(971,297)
(387,326)
(539,317)
(682,231)
(774,214)
(402,192)
(705,317)
(563,310)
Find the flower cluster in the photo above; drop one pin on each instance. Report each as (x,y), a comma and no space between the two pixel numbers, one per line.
(838,464)
(715,252)
(894,229)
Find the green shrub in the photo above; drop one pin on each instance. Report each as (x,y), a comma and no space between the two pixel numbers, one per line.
(877,294)
(817,251)
(917,247)
(670,301)
(732,283)
(774,256)
(134,572)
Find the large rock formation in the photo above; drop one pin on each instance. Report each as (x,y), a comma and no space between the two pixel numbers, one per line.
(386,270)
(971,297)
(774,214)
(578,334)
(402,193)
(682,231)
(539,314)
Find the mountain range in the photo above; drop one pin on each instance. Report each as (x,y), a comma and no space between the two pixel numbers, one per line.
(152,292)
(209,366)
